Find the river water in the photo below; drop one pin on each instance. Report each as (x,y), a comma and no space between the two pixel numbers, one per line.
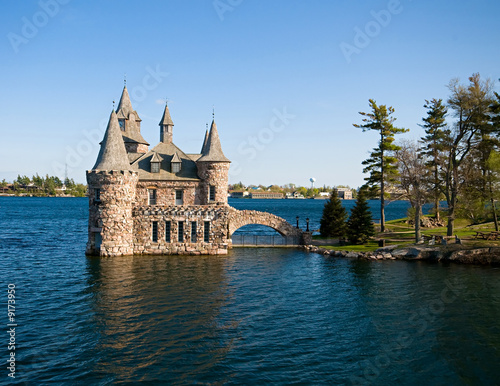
(256,316)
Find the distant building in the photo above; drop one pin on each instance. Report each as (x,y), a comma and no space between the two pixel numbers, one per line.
(266,195)
(344,193)
(239,193)
(324,194)
(296,195)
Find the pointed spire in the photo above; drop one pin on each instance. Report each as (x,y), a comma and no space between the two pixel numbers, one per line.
(205,141)
(166,119)
(166,126)
(212,151)
(112,155)
(124,106)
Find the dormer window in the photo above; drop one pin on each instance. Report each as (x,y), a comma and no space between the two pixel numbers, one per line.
(155,163)
(176,163)
(122,124)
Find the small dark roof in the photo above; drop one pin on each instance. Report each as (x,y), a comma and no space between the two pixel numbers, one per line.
(156,157)
(112,155)
(176,158)
(212,151)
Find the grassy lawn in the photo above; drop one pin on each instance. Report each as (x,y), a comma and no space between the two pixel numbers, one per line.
(398,232)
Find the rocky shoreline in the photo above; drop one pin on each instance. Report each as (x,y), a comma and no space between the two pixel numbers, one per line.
(452,253)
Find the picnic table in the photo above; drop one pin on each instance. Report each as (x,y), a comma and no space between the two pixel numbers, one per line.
(487,235)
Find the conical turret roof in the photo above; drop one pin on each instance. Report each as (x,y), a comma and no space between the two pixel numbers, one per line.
(166,119)
(205,141)
(112,155)
(124,106)
(212,151)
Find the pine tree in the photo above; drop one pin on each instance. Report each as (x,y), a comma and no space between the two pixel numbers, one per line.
(434,143)
(360,224)
(382,164)
(333,221)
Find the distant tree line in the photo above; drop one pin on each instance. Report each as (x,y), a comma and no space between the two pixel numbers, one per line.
(457,160)
(43,186)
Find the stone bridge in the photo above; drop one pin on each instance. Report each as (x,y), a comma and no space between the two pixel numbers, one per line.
(239,218)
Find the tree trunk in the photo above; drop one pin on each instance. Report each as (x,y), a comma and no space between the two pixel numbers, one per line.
(417,222)
(453,202)
(493,207)
(382,185)
(494,210)
(436,190)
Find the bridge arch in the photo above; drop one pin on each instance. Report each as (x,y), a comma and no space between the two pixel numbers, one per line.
(240,218)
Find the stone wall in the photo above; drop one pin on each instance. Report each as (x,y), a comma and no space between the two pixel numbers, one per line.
(144,216)
(165,192)
(110,218)
(216,174)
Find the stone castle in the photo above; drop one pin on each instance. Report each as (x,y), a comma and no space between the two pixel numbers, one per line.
(162,200)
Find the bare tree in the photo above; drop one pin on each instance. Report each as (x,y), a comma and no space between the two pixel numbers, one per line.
(412,178)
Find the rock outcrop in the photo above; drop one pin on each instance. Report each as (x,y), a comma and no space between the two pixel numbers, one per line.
(450,253)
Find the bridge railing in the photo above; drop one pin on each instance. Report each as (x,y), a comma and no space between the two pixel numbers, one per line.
(247,240)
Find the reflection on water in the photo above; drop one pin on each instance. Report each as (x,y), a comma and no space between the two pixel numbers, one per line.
(256,316)
(158,312)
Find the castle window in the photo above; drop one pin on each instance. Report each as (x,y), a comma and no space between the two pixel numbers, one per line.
(179,197)
(211,193)
(168,226)
(180,232)
(193,232)
(154,232)
(176,163)
(97,192)
(152,196)
(155,163)
(121,122)
(206,231)
(155,167)
(176,167)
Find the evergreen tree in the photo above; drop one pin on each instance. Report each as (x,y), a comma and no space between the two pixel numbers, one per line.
(434,143)
(360,224)
(382,164)
(333,221)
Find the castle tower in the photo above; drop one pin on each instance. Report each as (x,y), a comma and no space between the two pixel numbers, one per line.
(213,169)
(130,125)
(166,127)
(112,189)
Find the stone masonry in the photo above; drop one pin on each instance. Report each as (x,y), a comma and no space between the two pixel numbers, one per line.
(162,200)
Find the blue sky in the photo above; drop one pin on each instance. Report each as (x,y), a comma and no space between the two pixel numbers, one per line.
(287,77)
